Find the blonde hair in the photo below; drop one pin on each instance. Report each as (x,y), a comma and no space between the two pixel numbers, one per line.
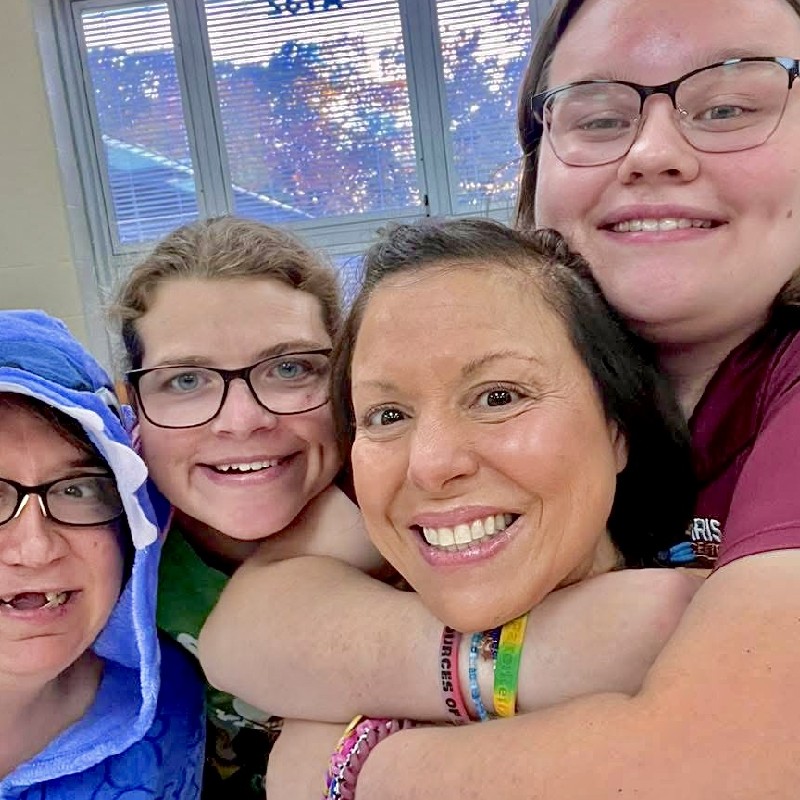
(223,248)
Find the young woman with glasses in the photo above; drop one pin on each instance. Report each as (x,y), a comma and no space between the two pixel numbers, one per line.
(660,138)
(93,706)
(227,327)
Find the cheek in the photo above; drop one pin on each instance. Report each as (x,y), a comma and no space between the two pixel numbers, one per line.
(105,562)
(564,195)
(377,474)
(164,451)
(316,430)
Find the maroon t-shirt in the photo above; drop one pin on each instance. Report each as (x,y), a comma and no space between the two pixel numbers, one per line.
(746,443)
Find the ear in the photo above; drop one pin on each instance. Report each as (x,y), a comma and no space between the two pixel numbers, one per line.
(620,445)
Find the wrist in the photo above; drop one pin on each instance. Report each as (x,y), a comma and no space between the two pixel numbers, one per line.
(359,739)
(484,674)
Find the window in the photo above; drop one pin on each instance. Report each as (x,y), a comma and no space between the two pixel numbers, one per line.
(330,116)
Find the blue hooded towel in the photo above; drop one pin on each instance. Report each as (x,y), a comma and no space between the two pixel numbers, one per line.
(143,736)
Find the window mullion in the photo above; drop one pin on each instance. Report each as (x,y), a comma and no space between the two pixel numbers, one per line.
(426,90)
(539,11)
(201,108)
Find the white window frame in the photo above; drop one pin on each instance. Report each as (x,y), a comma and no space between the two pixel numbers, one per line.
(100,259)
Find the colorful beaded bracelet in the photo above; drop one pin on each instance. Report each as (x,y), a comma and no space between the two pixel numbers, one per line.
(358,740)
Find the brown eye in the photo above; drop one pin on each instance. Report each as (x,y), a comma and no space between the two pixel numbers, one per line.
(497,397)
(383,417)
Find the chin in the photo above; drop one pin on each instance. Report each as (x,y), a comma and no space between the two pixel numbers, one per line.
(42,660)
(477,615)
(254,526)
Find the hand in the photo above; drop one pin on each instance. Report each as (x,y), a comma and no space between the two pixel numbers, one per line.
(299,760)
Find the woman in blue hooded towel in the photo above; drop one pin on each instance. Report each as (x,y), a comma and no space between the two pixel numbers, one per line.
(91,704)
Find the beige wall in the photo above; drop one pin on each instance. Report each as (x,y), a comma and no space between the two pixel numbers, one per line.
(36,265)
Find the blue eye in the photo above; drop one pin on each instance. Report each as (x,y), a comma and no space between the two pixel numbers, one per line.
(605,125)
(721,113)
(290,370)
(185,382)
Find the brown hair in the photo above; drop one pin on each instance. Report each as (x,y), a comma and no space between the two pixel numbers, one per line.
(530,130)
(647,515)
(65,426)
(223,248)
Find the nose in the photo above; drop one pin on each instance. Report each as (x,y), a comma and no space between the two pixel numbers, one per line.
(659,152)
(241,414)
(31,539)
(440,454)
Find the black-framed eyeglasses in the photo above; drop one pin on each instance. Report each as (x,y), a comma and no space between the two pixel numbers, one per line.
(78,501)
(186,396)
(732,105)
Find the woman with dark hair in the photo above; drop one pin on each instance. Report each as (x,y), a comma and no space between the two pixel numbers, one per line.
(660,140)
(506,450)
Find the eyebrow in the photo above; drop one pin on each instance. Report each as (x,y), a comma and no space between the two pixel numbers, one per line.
(87,461)
(467,371)
(478,364)
(281,348)
(715,56)
(705,60)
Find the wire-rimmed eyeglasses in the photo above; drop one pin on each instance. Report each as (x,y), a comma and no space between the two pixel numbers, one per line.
(732,105)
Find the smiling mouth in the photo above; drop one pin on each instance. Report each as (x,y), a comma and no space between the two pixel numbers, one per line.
(652,225)
(35,601)
(465,535)
(247,467)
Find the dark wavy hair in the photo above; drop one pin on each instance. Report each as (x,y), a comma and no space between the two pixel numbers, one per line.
(655,492)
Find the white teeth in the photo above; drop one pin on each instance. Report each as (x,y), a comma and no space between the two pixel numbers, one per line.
(447,537)
(55,599)
(252,466)
(665,224)
(464,534)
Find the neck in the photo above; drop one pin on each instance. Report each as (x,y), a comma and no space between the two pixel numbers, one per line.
(604,558)
(215,548)
(690,367)
(32,714)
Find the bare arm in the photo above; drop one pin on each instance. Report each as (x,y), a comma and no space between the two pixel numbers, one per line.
(299,759)
(312,640)
(718,717)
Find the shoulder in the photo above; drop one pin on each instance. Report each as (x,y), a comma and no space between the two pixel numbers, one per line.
(783,371)
(765,507)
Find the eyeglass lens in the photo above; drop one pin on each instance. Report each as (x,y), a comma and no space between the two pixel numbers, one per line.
(721,109)
(185,396)
(81,500)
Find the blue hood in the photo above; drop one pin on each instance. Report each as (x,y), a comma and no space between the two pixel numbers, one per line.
(40,358)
